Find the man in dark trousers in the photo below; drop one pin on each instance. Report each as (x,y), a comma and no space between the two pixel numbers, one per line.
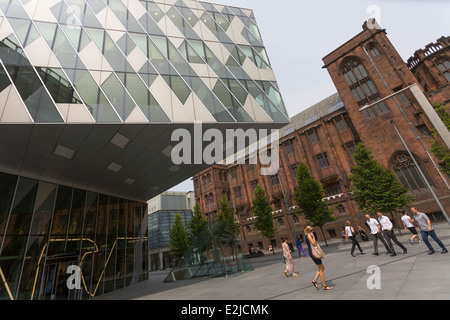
(427,230)
(388,232)
(375,230)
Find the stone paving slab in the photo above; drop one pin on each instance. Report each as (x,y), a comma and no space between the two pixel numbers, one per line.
(411,276)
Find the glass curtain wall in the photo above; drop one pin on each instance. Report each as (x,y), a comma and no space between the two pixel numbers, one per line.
(46,228)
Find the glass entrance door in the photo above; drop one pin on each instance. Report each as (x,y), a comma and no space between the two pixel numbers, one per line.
(54,285)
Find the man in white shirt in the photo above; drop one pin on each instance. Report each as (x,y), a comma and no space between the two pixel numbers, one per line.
(407,223)
(375,230)
(388,232)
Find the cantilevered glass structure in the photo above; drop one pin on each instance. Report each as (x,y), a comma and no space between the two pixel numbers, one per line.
(90,94)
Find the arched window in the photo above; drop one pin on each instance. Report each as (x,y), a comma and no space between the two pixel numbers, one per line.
(444,66)
(407,172)
(281,222)
(362,87)
(373,49)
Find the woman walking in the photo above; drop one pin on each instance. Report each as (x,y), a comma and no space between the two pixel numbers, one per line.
(288,258)
(350,233)
(311,241)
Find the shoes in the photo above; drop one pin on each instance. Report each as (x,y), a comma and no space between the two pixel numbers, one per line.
(352,254)
(286,273)
(362,252)
(405,251)
(430,253)
(444,251)
(295,275)
(375,254)
(327,288)
(315,284)
(393,254)
(410,240)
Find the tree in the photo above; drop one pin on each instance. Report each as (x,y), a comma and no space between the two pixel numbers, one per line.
(198,230)
(263,212)
(375,188)
(309,198)
(438,149)
(179,238)
(227,227)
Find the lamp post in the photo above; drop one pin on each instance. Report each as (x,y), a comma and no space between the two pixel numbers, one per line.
(403,141)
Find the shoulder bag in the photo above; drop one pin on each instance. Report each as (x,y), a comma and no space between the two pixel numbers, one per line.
(317,251)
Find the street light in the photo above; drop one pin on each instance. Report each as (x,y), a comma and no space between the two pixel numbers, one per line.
(403,141)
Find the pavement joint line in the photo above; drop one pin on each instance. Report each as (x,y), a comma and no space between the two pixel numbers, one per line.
(346,275)
(404,281)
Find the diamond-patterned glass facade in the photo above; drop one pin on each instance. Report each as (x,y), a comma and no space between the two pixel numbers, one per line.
(163,61)
(90,94)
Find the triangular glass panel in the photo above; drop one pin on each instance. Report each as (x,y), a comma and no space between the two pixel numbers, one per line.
(4,80)
(13,9)
(126,44)
(32,92)
(48,31)
(155,12)
(58,85)
(85,14)
(96,5)
(118,96)
(233,106)
(77,36)
(178,86)
(210,101)
(144,99)
(150,26)
(25,31)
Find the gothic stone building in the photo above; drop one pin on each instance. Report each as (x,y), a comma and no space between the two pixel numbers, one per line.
(368,73)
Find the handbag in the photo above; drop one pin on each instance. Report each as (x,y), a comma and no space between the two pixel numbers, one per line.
(283,259)
(317,251)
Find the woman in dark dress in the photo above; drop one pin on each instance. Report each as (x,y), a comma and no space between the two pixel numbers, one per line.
(311,241)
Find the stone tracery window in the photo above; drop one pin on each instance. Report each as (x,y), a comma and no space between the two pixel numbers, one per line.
(444,66)
(407,172)
(362,87)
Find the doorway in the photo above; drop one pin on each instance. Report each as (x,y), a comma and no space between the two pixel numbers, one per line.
(54,282)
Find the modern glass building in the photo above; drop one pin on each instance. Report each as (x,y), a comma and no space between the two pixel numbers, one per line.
(90,94)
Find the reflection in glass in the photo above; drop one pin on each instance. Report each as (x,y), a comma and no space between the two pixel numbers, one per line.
(50,227)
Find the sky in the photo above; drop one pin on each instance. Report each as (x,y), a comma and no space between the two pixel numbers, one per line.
(297,34)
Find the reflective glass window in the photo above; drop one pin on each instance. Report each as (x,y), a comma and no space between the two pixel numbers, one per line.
(15,239)
(7,188)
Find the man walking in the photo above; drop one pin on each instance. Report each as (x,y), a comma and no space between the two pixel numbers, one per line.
(407,223)
(375,230)
(388,232)
(427,230)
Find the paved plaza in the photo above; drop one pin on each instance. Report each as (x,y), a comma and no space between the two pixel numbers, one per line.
(411,276)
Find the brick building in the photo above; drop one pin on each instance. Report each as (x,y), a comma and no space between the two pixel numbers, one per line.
(431,67)
(376,103)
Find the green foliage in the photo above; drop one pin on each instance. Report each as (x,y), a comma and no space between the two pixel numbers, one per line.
(179,238)
(375,188)
(263,211)
(438,149)
(198,222)
(199,232)
(226,225)
(309,198)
